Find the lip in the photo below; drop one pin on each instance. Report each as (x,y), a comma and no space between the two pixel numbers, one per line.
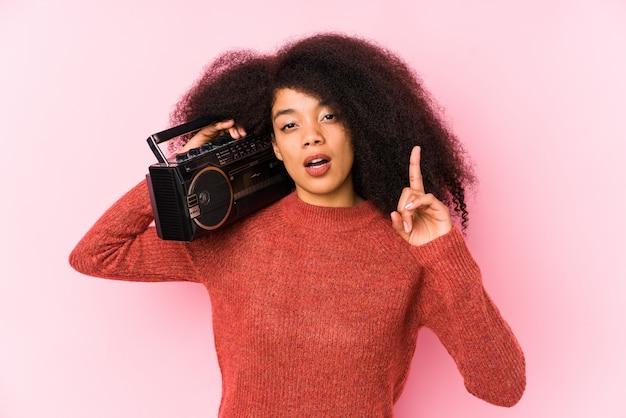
(312,157)
(317,170)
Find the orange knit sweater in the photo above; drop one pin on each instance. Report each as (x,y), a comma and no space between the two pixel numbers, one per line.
(316,310)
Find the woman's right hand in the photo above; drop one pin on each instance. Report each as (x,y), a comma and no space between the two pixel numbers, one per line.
(210,132)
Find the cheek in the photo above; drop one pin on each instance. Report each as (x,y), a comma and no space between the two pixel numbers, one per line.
(287,156)
(290,165)
(285,148)
(349,156)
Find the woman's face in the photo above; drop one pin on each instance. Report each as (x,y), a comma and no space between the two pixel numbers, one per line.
(315,146)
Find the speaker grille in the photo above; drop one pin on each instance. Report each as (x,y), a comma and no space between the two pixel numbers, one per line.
(214,196)
(171,218)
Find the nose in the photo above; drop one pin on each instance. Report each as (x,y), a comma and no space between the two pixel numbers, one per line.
(312,136)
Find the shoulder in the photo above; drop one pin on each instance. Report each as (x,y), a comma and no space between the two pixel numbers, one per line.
(266,219)
(257,223)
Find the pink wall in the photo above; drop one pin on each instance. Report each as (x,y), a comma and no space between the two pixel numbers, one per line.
(535,89)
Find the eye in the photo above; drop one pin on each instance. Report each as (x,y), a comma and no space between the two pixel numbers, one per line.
(329,116)
(288,126)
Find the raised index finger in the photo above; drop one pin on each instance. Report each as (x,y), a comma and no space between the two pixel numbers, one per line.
(415,172)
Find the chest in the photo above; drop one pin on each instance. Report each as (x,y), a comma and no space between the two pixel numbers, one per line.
(320,289)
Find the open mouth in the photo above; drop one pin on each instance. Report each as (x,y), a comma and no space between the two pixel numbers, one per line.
(317,162)
(317,165)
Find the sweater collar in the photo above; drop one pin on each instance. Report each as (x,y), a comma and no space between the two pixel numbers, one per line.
(304,215)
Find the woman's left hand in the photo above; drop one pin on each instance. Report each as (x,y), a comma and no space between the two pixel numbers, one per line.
(420,217)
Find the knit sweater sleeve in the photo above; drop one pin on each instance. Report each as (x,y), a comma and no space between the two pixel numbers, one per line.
(122,245)
(456,307)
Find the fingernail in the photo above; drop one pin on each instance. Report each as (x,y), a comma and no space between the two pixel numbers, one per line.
(406,227)
(409,205)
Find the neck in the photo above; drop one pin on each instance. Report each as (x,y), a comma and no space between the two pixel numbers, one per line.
(342,198)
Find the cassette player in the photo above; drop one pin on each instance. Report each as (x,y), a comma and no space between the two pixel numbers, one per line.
(214,185)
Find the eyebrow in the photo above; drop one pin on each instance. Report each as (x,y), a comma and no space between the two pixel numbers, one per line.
(282,112)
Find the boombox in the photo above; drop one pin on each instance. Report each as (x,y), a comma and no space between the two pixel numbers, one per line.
(213,185)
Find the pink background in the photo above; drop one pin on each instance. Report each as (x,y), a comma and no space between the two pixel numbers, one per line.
(535,88)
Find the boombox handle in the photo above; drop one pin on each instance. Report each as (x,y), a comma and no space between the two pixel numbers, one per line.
(195,125)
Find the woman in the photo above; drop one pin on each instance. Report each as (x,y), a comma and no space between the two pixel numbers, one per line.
(317,299)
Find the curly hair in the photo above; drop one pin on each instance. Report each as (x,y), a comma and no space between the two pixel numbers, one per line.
(236,85)
(381,99)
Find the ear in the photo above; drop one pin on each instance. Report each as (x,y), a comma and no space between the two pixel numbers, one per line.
(276,149)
